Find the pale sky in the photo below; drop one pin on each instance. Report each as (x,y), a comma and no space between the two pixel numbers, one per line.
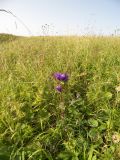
(64,17)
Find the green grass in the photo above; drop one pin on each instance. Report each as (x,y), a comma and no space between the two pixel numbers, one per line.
(82,122)
(7,38)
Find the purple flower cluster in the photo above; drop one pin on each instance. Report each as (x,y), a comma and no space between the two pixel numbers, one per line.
(62,77)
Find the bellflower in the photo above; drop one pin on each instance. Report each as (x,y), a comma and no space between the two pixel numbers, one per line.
(64,77)
(57,76)
(61,77)
(59,88)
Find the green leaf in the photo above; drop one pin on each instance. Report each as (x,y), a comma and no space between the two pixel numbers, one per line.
(108,95)
(93,122)
(94,158)
(90,153)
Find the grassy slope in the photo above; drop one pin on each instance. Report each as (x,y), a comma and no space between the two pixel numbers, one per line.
(7,38)
(83,122)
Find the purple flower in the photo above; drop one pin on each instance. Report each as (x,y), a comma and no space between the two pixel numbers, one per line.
(59,88)
(64,77)
(61,76)
(57,76)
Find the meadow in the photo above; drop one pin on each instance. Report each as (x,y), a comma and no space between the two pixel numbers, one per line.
(39,122)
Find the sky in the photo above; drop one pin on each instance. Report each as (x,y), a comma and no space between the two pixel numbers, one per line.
(60,17)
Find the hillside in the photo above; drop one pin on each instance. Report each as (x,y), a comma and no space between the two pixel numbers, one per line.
(7,37)
(41,122)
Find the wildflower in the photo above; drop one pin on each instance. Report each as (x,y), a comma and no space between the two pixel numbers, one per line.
(64,77)
(118,89)
(61,76)
(116,137)
(57,76)
(59,88)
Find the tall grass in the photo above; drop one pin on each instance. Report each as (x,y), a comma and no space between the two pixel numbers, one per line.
(82,122)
